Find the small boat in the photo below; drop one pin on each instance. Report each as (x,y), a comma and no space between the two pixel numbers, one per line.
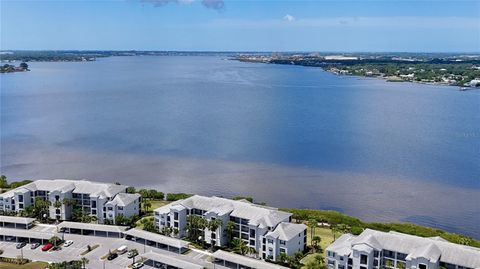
(463,89)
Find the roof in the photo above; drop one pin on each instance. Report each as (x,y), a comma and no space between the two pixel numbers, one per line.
(91,226)
(245,261)
(256,214)
(77,186)
(415,246)
(170,241)
(286,231)
(343,245)
(172,260)
(123,199)
(18,220)
(25,233)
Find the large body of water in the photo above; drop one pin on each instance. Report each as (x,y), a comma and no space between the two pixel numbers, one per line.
(287,135)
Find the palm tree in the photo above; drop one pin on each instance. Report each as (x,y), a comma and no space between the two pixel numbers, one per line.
(317,262)
(316,241)
(282,258)
(239,246)
(252,251)
(230,230)
(213,226)
(135,253)
(146,206)
(312,224)
(85,261)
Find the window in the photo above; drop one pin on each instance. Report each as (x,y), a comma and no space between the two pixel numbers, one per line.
(20,206)
(175,215)
(252,233)
(282,250)
(341,266)
(94,204)
(282,242)
(252,242)
(120,208)
(422,266)
(20,198)
(214,236)
(110,208)
(270,241)
(94,211)
(376,253)
(363,259)
(57,197)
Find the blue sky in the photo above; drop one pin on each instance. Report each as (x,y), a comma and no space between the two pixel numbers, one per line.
(269,25)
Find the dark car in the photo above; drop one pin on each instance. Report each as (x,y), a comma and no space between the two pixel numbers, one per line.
(112,256)
(21,245)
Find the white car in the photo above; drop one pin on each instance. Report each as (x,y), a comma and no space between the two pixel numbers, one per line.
(68,243)
(137,265)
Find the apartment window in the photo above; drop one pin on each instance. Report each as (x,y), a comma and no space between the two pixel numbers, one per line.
(20,206)
(20,198)
(341,258)
(57,197)
(363,259)
(376,253)
(270,241)
(57,211)
(94,204)
(401,256)
(252,233)
(120,208)
(389,254)
(282,242)
(252,242)
(341,266)
(282,250)
(363,267)
(350,261)
(263,240)
(422,266)
(214,236)
(175,216)
(175,224)
(375,262)
(110,208)
(94,211)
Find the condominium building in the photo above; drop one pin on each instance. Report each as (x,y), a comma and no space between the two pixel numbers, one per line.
(375,249)
(103,200)
(266,229)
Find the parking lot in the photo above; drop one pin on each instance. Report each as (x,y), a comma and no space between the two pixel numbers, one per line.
(95,262)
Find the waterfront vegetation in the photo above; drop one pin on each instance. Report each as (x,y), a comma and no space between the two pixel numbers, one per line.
(342,223)
(30,265)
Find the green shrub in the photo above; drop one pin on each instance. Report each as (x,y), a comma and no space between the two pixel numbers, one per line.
(177,196)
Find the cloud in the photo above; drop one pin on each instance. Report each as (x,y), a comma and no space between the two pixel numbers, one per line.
(213,4)
(288,17)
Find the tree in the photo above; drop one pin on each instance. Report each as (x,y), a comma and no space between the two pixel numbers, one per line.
(85,261)
(24,66)
(230,230)
(134,251)
(252,251)
(148,225)
(312,224)
(195,225)
(146,205)
(239,246)
(3,182)
(282,258)
(130,190)
(316,242)
(317,262)
(41,208)
(213,226)
(54,240)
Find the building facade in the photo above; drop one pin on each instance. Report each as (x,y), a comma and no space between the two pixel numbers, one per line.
(265,229)
(102,200)
(376,250)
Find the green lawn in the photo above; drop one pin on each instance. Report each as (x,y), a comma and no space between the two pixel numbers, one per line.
(31,265)
(156,204)
(325,234)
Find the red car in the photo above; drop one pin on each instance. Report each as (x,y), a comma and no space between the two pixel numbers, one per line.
(47,247)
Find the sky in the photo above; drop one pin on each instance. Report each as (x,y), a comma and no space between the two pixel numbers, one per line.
(242,25)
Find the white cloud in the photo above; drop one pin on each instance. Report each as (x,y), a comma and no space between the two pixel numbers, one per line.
(288,17)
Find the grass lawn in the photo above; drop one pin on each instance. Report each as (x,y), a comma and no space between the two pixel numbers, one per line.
(139,224)
(31,265)
(156,204)
(325,234)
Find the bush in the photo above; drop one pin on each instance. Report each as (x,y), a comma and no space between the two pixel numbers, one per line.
(177,196)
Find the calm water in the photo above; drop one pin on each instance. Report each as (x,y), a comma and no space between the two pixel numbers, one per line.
(287,135)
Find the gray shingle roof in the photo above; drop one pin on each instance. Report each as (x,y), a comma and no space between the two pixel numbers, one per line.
(286,231)
(416,246)
(123,199)
(25,233)
(258,215)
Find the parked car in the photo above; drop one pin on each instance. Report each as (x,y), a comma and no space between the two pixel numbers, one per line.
(122,250)
(112,256)
(137,265)
(47,247)
(21,245)
(131,254)
(68,243)
(34,245)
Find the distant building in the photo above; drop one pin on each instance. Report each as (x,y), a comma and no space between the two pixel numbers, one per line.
(266,229)
(103,200)
(375,250)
